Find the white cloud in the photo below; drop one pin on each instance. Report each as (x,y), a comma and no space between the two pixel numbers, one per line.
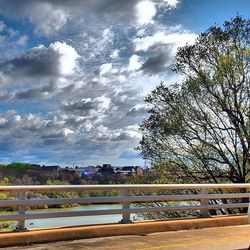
(22,40)
(122,134)
(107,34)
(172,3)
(134,63)
(2,40)
(134,131)
(57,60)
(145,84)
(48,19)
(178,39)
(139,107)
(100,108)
(105,68)
(67,132)
(2,26)
(87,110)
(145,12)
(68,57)
(115,54)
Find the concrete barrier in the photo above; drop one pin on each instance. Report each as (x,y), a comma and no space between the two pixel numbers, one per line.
(137,228)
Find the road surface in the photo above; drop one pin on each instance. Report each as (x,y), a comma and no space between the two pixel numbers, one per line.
(220,238)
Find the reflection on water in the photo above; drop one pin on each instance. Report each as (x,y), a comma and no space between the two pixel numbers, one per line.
(75,221)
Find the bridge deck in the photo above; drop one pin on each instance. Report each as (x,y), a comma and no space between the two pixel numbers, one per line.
(234,237)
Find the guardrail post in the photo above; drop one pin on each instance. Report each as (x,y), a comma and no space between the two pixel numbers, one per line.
(204,202)
(125,205)
(21,210)
(248,211)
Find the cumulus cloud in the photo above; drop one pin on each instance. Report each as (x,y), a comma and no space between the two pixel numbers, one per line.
(50,16)
(87,113)
(22,40)
(105,68)
(31,128)
(43,92)
(114,54)
(138,109)
(145,12)
(58,135)
(90,68)
(40,73)
(103,133)
(55,60)
(88,106)
(161,48)
(39,61)
(155,64)
(47,19)
(68,57)
(172,3)
(134,63)
(2,26)
(177,39)
(160,60)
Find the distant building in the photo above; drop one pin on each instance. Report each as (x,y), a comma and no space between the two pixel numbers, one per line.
(35,166)
(51,168)
(86,171)
(139,171)
(117,170)
(98,167)
(128,170)
(106,170)
(70,169)
(107,166)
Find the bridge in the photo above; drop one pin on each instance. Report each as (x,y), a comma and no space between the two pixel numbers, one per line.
(202,198)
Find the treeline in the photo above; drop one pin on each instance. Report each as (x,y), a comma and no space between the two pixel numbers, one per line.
(26,174)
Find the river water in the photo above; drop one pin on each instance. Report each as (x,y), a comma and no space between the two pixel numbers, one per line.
(75,221)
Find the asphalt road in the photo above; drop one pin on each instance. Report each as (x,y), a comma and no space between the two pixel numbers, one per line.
(220,238)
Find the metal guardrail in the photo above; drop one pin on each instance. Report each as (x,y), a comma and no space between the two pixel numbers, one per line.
(203,195)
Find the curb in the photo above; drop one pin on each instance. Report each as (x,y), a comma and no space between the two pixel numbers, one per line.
(8,239)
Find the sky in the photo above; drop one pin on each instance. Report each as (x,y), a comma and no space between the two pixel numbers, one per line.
(74,73)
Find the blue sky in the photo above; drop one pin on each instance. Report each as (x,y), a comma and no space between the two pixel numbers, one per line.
(74,74)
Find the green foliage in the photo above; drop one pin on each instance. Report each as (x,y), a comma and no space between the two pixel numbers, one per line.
(6,225)
(199,130)
(61,194)
(18,165)
(5,181)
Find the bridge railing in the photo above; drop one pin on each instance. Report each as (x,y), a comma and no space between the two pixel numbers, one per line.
(203,193)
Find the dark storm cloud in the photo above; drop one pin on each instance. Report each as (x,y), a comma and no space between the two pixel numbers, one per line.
(80,107)
(50,16)
(103,6)
(155,64)
(41,73)
(39,62)
(159,60)
(43,92)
